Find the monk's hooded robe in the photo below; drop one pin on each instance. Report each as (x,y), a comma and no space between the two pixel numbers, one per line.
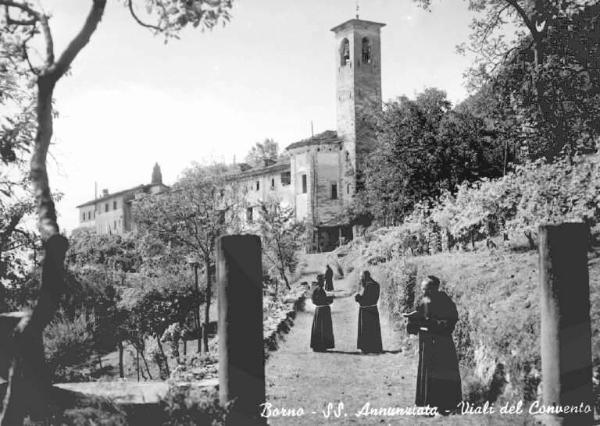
(321,337)
(369,327)
(438,377)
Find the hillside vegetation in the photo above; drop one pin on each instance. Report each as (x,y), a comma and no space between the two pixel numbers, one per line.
(497,295)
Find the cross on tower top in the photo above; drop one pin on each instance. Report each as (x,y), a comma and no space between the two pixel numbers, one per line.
(357,9)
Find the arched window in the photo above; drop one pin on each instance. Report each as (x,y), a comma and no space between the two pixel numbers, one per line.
(345,52)
(366,51)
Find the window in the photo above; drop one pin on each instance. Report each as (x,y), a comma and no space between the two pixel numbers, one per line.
(334,194)
(304,185)
(348,189)
(249,214)
(83,217)
(89,215)
(106,207)
(114,205)
(345,52)
(286,178)
(273,183)
(257,185)
(366,51)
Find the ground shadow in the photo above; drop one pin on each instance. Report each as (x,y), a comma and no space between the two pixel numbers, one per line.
(397,351)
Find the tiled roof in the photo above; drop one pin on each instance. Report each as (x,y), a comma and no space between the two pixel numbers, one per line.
(280,166)
(134,190)
(328,137)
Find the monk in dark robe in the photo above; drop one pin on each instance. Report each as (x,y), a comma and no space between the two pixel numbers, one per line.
(438,376)
(329,279)
(369,328)
(321,337)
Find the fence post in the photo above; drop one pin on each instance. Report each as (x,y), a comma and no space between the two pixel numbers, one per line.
(566,330)
(241,342)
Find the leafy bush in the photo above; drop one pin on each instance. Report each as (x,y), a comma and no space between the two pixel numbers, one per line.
(538,192)
(398,282)
(93,411)
(184,405)
(68,343)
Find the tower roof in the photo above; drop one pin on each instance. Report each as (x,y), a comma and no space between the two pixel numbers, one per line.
(156,175)
(356,23)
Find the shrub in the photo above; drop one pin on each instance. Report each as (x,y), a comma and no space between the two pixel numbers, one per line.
(184,405)
(93,411)
(68,343)
(537,192)
(397,282)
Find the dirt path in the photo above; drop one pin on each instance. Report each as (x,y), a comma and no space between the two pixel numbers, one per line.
(298,378)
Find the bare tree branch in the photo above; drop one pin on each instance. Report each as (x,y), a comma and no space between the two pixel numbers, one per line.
(528,23)
(138,20)
(24,7)
(81,39)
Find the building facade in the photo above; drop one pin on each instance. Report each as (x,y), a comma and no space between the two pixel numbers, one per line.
(318,175)
(111,213)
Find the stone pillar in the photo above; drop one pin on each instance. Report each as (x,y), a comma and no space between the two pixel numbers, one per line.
(241,343)
(566,330)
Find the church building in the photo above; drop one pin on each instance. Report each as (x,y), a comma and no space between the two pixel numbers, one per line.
(318,175)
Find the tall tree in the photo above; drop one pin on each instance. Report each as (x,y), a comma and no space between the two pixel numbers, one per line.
(424,147)
(552,65)
(281,236)
(261,151)
(23,22)
(192,215)
(17,129)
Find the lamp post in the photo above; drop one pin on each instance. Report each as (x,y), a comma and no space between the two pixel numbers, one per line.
(195,264)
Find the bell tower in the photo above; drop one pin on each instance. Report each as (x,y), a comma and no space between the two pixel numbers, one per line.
(358,91)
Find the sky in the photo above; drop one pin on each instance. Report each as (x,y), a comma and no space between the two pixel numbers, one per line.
(131,100)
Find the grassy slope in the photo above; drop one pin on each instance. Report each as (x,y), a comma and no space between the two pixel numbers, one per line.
(498,300)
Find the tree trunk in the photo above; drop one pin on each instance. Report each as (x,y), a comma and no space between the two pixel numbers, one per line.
(164,360)
(530,240)
(121,369)
(207,310)
(285,280)
(29,379)
(28,372)
(545,107)
(197,315)
(145,363)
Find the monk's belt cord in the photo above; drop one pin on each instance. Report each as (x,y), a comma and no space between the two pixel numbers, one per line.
(321,306)
(369,306)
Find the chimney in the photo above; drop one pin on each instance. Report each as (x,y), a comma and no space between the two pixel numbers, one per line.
(104,192)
